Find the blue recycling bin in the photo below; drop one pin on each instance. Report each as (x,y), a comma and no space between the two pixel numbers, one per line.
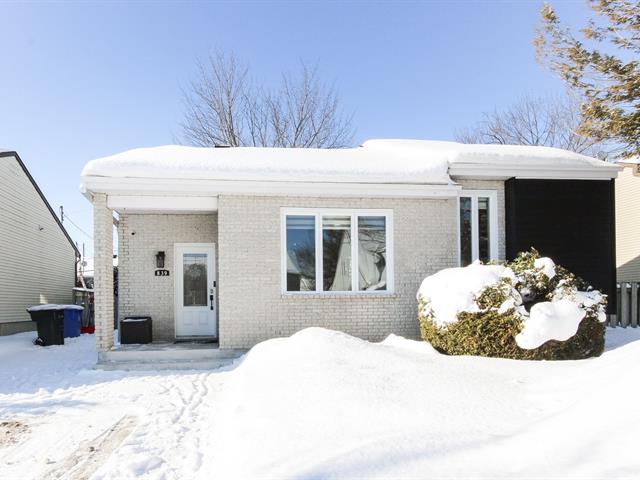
(55,322)
(72,321)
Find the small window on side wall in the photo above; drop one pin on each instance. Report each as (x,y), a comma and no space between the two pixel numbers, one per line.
(477,227)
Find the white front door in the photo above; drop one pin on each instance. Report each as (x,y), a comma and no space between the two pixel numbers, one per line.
(195,290)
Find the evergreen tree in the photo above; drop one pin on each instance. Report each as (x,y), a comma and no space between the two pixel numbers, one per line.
(602,66)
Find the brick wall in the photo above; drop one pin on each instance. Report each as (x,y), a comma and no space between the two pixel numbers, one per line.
(140,237)
(252,307)
(103,271)
(250,303)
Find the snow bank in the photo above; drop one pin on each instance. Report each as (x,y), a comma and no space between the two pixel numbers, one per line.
(453,290)
(550,321)
(416,346)
(324,405)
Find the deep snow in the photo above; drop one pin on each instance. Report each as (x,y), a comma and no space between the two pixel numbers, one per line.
(322,404)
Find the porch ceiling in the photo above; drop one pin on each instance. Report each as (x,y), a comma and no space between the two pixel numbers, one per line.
(162,204)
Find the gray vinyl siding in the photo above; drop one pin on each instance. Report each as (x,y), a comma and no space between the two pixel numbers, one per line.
(37,262)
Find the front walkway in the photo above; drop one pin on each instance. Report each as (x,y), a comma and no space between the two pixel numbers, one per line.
(64,408)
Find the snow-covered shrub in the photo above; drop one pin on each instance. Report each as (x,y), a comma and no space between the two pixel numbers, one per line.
(528,308)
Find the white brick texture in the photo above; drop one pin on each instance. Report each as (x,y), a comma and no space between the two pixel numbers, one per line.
(252,307)
(247,234)
(103,271)
(140,237)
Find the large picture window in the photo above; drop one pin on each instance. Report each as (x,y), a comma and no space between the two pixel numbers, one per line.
(337,250)
(477,226)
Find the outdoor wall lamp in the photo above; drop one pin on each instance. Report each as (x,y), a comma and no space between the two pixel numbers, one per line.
(160,260)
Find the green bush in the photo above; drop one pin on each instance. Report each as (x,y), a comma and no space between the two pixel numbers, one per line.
(491,331)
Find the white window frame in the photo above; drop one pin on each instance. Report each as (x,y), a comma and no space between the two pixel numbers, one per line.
(318,213)
(492,195)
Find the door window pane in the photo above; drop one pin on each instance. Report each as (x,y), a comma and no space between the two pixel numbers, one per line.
(372,253)
(301,253)
(483,229)
(465,231)
(194,279)
(336,253)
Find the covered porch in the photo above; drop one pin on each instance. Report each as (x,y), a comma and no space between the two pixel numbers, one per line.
(167,270)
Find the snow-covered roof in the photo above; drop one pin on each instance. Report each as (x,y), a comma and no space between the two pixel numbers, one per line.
(376,161)
(411,168)
(364,164)
(457,153)
(629,161)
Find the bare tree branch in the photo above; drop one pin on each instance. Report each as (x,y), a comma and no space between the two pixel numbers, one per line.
(224,107)
(547,121)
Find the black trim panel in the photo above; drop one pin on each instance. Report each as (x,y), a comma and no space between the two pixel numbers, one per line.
(571,221)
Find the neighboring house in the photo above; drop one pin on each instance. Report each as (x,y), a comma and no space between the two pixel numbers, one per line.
(86,270)
(37,256)
(628,221)
(244,244)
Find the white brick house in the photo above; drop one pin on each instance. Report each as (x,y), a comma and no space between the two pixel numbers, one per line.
(262,242)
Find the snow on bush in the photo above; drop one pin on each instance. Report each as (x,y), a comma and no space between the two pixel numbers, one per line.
(455,290)
(546,266)
(527,308)
(550,321)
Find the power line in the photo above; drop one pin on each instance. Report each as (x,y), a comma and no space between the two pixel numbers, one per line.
(66,217)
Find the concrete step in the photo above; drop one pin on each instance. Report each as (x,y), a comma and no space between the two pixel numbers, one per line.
(166,357)
(133,365)
(168,354)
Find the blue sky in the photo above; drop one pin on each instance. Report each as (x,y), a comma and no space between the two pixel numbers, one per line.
(83,80)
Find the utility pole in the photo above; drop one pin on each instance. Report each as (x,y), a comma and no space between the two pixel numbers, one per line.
(61,214)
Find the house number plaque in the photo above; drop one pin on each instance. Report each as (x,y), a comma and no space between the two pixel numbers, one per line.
(162,273)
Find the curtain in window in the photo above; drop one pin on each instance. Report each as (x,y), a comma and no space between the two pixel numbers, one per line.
(372,253)
(336,253)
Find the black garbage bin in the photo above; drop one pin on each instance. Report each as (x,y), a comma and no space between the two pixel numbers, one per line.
(50,323)
(136,330)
